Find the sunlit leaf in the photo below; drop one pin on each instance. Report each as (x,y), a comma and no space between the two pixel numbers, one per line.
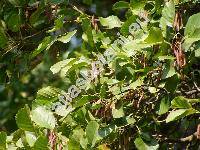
(180,113)
(169,70)
(43,118)
(168,14)
(66,38)
(92,132)
(58,66)
(141,145)
(30,138)
(155,36)
(110,22)
(180,102)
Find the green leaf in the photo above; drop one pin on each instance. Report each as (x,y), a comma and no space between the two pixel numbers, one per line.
(155,36)
(63,110)
(23,119)
(17,3)
(13,21)
(192,27)
(103,91)
(47,95)
(79,136)
(125,27)
(17,134)
(66,38)
(3,137)
(118,110)
(84,99)
(82,62)
(168,14)
(169,70)
(161,58)
(167,19)
(168,84)
(37,18)
(56,1)
(86,25)
(164,106)
(30,138)
(197,52)
(141,145)
(88,2)
(14,2)
(192,101)
(105,131)
(3,38)
(192,31)
(41,143)
(137,5)
(43,118)
(92,132)
(73,145)
(136,83)
(110,22)
(180,113)
(130,120)
(46,43)
(120,5)
(180,102)
(58,66)
(19,143)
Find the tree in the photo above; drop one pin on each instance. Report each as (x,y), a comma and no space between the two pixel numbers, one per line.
(130,83)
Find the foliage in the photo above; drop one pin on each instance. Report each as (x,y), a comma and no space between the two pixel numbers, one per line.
(145,97)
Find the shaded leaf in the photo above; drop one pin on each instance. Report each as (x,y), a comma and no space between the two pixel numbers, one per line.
(121,5)
(23,119)
(41,143)
(46,43)
(3,38)
(84,99)
(164,106)
(3,137)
